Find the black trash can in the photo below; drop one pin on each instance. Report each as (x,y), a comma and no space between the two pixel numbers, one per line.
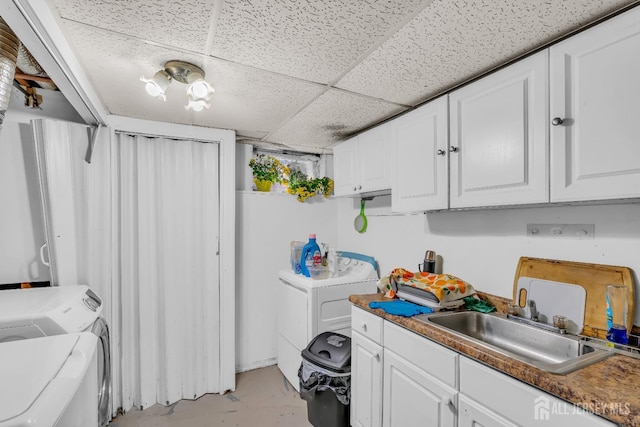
(325,379)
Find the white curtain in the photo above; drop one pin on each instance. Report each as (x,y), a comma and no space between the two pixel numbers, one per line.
(140,226)
(166,198)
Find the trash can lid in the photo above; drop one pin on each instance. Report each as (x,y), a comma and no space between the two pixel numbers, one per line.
(331,351)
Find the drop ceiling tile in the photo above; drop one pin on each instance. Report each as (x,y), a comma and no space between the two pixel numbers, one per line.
(250,100)
(315,40)
(331,118)
(245,99)
(184,24)
(450,42)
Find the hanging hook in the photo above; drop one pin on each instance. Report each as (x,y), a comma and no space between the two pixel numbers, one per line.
(92,142)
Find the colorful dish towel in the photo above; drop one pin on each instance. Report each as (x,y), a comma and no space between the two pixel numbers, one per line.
(400,308)
(445,287)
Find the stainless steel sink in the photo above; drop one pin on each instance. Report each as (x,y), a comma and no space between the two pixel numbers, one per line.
(548,351)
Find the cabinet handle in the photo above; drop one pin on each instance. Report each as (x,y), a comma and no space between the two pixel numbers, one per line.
(441,152)
(45,262)
(364,326)
(450,403)
(355,188)
(557,121)
(453,149)
(359,187)
(377,356)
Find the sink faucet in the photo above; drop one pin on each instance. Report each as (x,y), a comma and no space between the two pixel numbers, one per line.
(533,311)
(559,322)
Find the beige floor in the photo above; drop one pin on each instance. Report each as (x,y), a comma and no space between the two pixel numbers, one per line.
(263,397)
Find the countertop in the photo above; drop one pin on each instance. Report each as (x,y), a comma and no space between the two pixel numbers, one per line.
(610,387)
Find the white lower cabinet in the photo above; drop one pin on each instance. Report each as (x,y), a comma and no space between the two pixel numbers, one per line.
(419,381)
(471,414)
(366,368)
(366,382)
(400,378)
(494,399)
(411,397)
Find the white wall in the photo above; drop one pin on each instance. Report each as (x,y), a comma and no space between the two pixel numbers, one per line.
(483,247)
(266,223)
(21,223)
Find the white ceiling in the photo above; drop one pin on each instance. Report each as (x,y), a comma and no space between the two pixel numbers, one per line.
(304,75)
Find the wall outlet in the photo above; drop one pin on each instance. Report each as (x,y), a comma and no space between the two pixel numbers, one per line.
(567,231)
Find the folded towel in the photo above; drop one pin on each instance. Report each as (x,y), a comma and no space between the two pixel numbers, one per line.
(445,287)
(476,304)
(400,308)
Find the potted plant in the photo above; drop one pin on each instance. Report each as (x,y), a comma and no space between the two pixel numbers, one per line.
(266,171)
(303,187)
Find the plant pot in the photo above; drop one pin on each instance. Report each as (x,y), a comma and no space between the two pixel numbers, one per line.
(262,185)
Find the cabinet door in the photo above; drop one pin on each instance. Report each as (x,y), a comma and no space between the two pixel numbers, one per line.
(366,382)
(411,397)
(420,165)
(594,89)
(374,159)
(345,167)
(60,149)
(499,137)
(471,414)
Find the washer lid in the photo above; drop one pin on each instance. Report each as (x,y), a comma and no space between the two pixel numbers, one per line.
(27,367)
(27,303)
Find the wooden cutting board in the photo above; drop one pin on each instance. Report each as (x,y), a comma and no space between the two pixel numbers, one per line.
(594,278)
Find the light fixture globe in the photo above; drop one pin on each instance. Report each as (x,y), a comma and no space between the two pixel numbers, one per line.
(197,105)
(200,89)
(157,85)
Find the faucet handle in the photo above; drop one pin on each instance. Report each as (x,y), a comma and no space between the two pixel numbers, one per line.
(560,322)
(533,311)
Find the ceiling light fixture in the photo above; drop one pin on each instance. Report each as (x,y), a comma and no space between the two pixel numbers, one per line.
(198,90)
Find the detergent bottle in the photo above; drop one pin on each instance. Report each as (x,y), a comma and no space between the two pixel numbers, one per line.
(311,256)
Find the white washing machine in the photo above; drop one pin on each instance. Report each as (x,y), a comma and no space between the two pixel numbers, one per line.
(40,312)
(308,307)
(59,390)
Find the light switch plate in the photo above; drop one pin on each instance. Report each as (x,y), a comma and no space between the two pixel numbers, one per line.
(566,231)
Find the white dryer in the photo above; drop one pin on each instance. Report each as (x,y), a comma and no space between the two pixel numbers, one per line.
(59,390)
(40,312)
(308,307)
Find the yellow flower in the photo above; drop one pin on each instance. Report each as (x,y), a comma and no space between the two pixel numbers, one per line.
(268,168)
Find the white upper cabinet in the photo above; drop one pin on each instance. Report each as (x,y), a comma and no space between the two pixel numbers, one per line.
(345,163)
(595,90)
(419,177)
(499,137)
(362,164)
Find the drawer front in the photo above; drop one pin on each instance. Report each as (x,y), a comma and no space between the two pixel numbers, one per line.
(366,324)
(432,358)
(519,402)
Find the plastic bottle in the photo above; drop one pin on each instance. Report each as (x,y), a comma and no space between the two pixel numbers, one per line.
(311,256)
(296,253)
